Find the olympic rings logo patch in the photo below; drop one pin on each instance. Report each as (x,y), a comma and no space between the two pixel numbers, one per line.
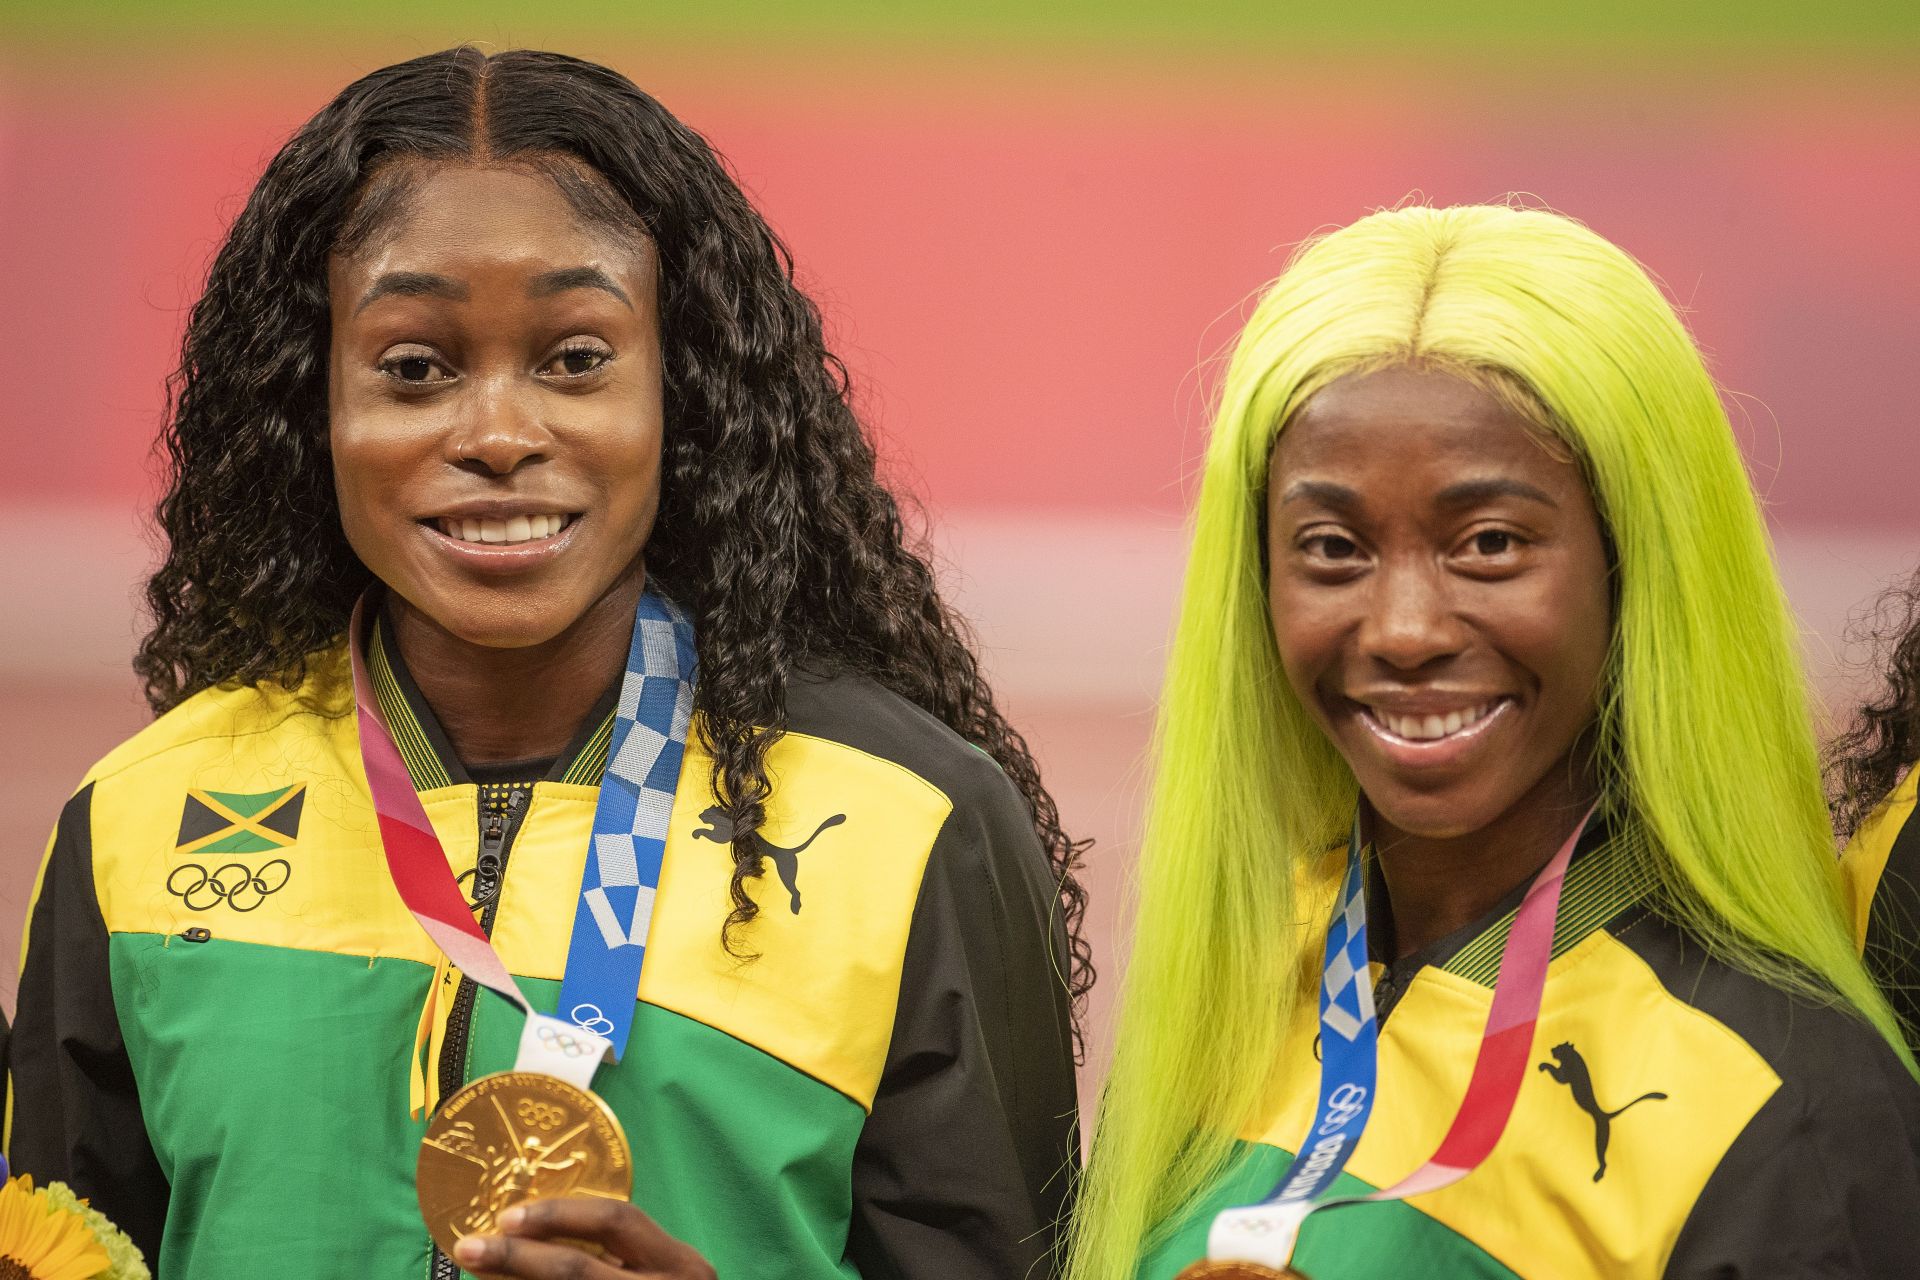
(236,884)
(588,1017)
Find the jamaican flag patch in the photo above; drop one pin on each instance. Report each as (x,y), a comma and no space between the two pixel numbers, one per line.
(235,822)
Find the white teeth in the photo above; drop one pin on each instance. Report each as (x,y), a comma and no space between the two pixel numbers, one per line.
(506,532)
(1427,728)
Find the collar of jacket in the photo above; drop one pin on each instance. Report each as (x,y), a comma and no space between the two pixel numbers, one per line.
(430,759)
(1608,876)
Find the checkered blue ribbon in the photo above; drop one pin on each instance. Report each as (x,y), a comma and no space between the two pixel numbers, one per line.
(1349,1044)
(649,741)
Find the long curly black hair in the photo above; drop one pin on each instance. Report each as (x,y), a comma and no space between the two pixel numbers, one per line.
(773,530)
(1867,761)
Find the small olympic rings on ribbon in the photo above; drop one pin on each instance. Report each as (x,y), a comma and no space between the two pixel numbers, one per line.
(588,1017)
(564,1043)
(236,884)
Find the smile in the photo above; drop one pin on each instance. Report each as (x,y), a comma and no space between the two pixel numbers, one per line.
(1433,726)
(1432,737)
(509,531)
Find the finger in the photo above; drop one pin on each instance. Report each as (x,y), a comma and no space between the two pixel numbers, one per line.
(515,1259)
(615,1225)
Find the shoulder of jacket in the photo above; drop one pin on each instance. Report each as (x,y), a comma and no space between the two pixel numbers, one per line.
(1809,1040)
(857,712)
(323,696)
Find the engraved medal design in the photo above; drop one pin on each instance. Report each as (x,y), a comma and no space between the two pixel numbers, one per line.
(512,1137)
(1236,1271)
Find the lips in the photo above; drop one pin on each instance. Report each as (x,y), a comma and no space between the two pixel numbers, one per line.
(1432,734)
(502,542)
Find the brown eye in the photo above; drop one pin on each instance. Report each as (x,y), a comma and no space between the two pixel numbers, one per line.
(577,361)
(416,368)
(1493,542)
(1331,546)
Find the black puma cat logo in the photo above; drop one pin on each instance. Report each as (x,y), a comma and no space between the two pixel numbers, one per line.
(719,829)
(1570,1069)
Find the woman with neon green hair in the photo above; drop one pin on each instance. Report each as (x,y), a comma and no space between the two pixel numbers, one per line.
(1487,868)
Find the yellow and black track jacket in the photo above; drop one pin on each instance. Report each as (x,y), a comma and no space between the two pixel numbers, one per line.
(1683,1120)
(222,995)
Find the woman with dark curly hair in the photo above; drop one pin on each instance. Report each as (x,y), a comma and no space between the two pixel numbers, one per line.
(1871,780)
(528,591)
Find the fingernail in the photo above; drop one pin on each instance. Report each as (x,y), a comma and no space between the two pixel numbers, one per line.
(512,1218)
(471,1249)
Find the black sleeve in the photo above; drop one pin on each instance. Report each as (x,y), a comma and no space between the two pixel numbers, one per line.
(966,1165)
(76,1113)
(1893,928)
(1823,1184)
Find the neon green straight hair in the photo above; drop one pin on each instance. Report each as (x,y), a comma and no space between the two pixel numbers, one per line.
(1709,764)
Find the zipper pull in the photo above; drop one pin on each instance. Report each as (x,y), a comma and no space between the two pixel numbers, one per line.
(486,873)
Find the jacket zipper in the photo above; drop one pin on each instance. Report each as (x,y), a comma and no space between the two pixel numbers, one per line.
(501,809)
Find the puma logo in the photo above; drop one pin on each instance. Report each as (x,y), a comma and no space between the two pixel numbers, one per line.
(1570,1069)
(719,829)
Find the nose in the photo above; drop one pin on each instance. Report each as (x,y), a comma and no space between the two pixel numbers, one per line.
(1410,619)
(498,431)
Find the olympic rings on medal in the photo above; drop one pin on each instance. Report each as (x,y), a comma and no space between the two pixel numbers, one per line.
(539,1115)
(588,1017)
(239,886)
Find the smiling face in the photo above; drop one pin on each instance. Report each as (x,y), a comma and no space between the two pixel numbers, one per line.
(494,401)
(1439,594)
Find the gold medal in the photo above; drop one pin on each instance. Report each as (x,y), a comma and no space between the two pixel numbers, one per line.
(511,1137)
(1204,1270)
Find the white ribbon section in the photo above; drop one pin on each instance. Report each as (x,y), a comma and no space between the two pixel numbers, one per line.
(1258,1233)
(562,1050)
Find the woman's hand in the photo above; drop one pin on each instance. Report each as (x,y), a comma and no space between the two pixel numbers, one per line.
(634,1243)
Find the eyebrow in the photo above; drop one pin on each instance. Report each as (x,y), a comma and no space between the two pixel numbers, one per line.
(425,284)
(549,283)
(1324,492)
(1467,493)
(411,284)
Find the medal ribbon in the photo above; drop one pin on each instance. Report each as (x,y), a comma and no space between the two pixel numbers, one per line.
(615,910)
(1266,1233)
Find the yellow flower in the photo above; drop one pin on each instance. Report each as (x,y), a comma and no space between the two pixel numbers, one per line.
(41,1241)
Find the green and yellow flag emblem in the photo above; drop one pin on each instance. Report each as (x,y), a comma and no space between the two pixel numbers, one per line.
(233,822)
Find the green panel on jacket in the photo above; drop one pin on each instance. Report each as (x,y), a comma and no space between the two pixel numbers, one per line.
(1368,1239)
(281,1115)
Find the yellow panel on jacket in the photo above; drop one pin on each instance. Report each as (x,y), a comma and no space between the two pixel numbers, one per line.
(1632,1039)
(249,817)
